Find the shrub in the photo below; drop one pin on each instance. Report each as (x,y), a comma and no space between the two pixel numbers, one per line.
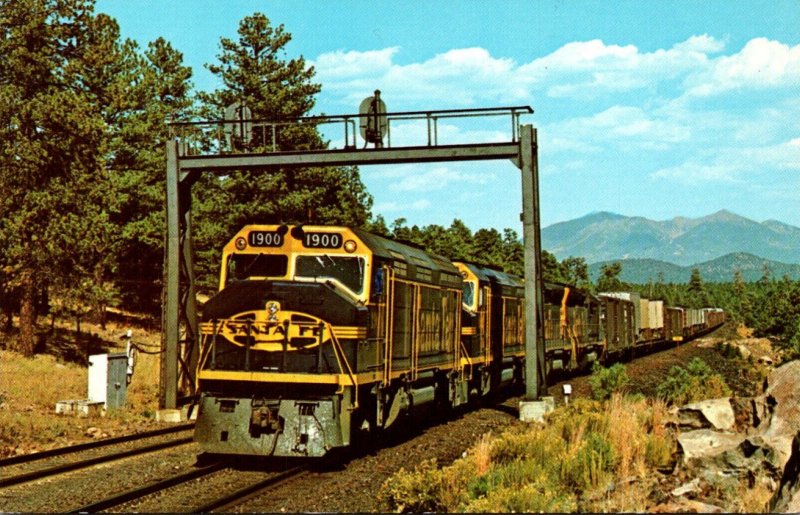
(530,498)
(729,351)
(562,467)
(590,466)
(695,382)
(605,381)
(415,492)
(792,348)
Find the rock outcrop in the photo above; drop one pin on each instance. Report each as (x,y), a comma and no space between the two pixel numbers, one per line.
(727,443)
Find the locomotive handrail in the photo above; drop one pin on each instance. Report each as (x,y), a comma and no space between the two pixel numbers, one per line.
(338,350)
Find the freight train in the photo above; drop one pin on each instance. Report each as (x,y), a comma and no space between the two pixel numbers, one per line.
(320,334)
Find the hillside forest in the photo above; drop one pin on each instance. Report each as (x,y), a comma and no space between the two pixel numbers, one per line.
(83,128)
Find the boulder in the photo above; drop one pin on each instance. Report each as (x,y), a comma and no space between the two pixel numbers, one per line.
(787,497)
(711,413)
(683,505)
(705,443)
(782,398)
(691,486)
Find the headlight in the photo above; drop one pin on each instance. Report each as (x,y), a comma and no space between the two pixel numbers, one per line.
(350,246)
(241,243)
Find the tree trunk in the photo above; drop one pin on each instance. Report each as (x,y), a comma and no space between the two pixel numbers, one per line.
(27,316)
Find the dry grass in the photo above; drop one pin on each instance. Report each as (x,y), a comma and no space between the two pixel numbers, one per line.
(591,456)
(30,388)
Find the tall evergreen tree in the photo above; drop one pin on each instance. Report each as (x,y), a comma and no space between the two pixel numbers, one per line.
(255,72)
(697,291)
(576,272)
(609,278)
(150,89)
(54,202)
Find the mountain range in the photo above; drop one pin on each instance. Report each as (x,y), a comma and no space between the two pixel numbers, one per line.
(602,236)
(720,270)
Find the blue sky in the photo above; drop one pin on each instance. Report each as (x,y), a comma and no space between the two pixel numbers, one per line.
(645,108)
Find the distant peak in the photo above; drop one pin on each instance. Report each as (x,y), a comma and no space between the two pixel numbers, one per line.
(724,215)
(603,215)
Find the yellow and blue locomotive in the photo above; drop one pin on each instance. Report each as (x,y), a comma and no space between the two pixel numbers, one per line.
(320,332)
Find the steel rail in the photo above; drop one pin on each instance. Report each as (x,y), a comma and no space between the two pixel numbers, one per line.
(140,492)
(62,451)
(68,467)
(226,502)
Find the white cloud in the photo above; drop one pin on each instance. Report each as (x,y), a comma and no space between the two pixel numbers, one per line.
(438,178)
(628,126)
(698,174)
(677,115)
(583,70)
(339,64)
(392,207)
(736,165)
(762,63)
(704,44)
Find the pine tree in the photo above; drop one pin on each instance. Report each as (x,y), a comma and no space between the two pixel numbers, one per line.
(576,272)
(256,73)
(54,200)
(149,90)
(609,278)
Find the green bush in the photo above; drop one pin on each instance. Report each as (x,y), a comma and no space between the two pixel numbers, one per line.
(529,498)
(695,382)
(606,381)
(729,351)
(564,466)
(591,465)
(792,348)
(414,492)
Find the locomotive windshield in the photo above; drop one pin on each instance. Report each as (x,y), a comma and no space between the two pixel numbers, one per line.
(242,266)
(347,270)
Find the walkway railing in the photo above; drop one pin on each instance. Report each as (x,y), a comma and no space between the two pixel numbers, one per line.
(218,137)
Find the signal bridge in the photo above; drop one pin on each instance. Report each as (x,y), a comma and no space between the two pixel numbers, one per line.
(241,143)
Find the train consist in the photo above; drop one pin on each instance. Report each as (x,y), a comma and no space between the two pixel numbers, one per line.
(319,334)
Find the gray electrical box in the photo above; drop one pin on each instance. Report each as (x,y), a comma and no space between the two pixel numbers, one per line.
(108,379)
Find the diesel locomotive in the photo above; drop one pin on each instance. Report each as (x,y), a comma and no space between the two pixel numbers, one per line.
(319,334)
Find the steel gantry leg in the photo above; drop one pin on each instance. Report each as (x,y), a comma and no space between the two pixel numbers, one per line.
(178,364)
(534,312)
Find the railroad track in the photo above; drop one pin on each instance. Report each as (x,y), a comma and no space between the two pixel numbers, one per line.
(222,503)
(89,462)
(240,496)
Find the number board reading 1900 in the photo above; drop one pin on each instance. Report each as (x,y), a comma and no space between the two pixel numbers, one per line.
(322,240)
(265,239)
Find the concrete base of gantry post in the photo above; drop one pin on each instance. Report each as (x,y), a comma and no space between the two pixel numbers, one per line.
(534,411)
